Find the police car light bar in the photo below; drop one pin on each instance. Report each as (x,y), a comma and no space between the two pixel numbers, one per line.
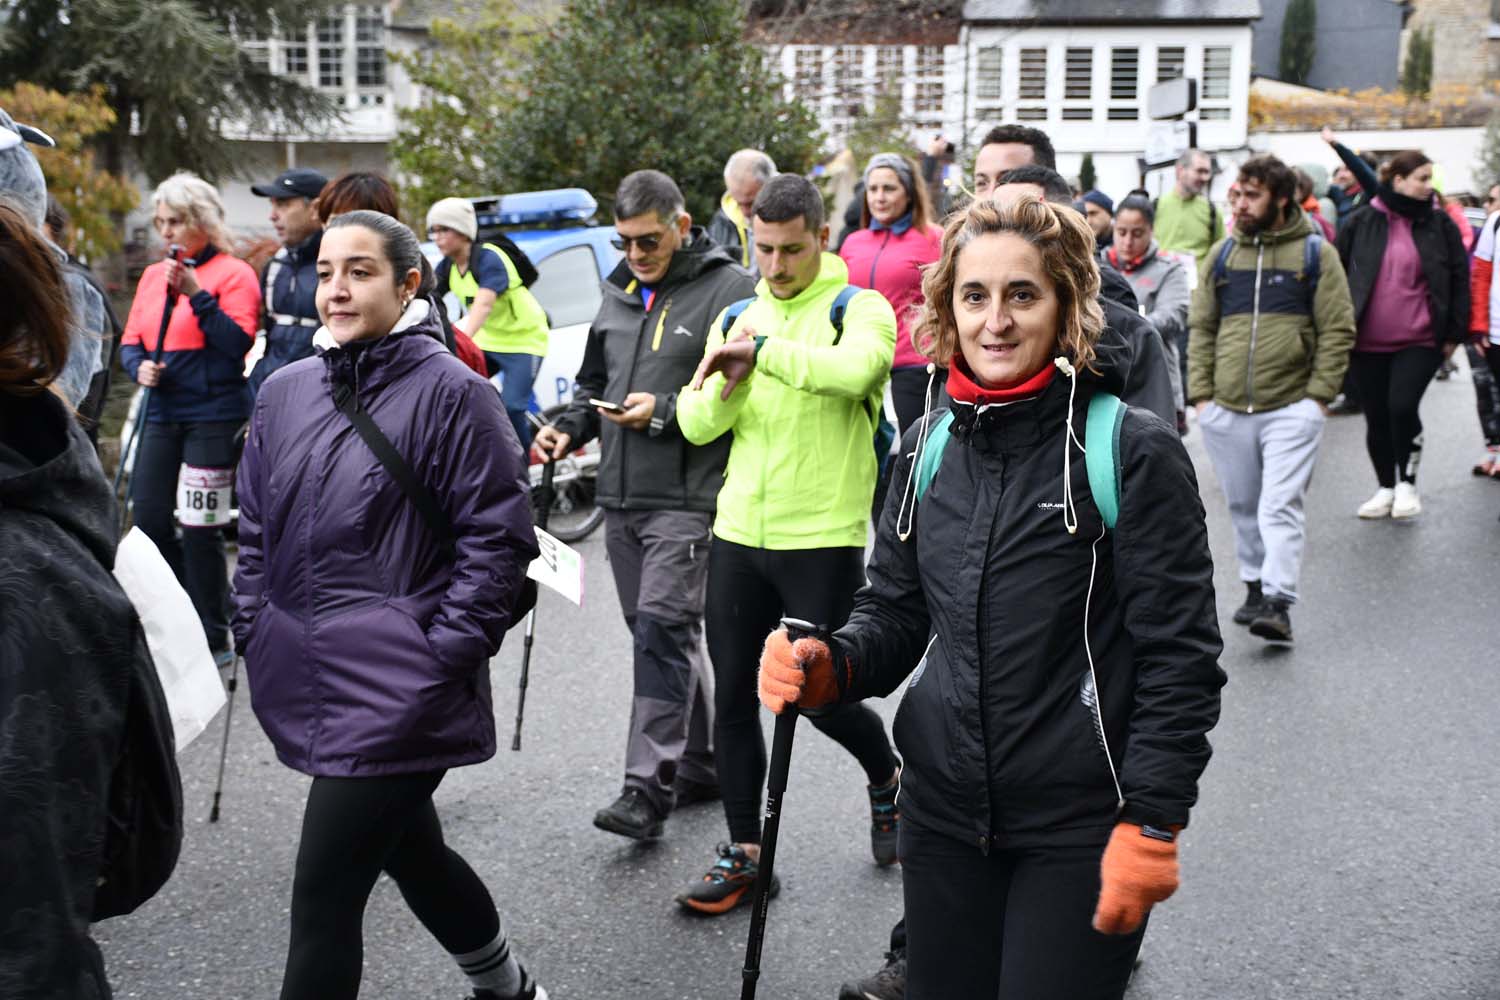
(529,208)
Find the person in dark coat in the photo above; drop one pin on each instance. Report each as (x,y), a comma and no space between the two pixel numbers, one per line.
(1066,674)
(70,642)
(366,640)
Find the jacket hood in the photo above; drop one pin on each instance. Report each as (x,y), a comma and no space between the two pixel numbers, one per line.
(695,258)
(832,273)
(370,364)
(1296,227)
(48,467)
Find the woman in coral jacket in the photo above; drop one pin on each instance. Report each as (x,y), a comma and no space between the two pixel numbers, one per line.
(896,239)
(199,399)
(1066,673)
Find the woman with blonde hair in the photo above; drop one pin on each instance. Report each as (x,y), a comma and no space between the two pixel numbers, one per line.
(1059,613)
(199,399)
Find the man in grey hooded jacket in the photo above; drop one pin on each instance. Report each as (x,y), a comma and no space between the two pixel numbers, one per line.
(658,491)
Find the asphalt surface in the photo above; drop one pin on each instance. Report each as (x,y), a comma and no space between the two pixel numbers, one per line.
(1345,844)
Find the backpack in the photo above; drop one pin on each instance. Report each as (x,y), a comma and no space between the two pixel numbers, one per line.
(525,269)
(885,431)
(1105,415)
(1312,262)
(143,825)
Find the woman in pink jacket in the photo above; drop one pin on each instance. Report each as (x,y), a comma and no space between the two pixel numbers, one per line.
(896,239)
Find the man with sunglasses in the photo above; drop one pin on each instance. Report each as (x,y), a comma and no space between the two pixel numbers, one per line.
(657,490)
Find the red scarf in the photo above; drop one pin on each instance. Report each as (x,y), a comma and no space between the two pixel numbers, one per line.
(962,387)
(1130,265)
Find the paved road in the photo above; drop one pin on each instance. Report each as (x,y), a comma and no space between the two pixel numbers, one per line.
(1345,845)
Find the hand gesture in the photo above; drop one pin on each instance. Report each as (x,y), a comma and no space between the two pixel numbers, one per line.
(149,373)
(734,358)
(638,409)
(552,442)
(180,278)
(1328,136)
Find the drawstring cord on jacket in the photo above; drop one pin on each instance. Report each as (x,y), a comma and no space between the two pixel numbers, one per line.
(1070,510)
(903,533)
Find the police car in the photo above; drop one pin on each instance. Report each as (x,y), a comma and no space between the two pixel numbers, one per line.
(571,255)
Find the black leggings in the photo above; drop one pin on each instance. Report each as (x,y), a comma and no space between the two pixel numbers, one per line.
(749,590)
(353,829)
(1390,389)
(1013,925)
(1484,368)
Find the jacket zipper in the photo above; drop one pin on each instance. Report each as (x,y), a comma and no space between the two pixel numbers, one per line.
(885,243)
(979,634)
(635,360)
(1260,256)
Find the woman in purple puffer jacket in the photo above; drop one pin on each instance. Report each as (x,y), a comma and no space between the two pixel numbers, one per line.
(367,641)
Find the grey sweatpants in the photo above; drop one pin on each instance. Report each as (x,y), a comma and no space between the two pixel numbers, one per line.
(660,563)
(1264,462)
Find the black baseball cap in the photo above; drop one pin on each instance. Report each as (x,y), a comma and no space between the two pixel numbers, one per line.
(299,182)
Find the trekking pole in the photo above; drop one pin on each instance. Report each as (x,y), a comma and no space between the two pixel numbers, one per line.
(140,415)
(544,498)
(234,682)
(781,764)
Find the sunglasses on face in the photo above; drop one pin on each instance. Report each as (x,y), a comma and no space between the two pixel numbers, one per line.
(648,243)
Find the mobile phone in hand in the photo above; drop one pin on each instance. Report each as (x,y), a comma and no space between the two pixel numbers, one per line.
(604,404)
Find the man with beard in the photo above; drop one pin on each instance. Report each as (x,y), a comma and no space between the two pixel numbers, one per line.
(1271,327)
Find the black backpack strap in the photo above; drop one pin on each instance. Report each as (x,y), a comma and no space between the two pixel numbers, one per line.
(437,522)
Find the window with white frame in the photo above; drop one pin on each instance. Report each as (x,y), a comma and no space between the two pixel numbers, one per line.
(330,34)
(342,52)
(849,72)
(1217,62)
(294,51)
(1171,61)
(369,37)
(1124,84)
(927,98)
(989,77)
(1032,86)
(808,69)
(929,60)
(890,63)
(1078,85)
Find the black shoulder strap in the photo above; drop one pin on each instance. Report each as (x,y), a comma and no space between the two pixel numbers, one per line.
(421,498)
(525,269)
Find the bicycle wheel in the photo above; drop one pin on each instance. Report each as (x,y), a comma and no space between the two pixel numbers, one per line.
(573,515)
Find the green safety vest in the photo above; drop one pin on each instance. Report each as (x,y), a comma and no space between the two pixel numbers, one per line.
(517,324)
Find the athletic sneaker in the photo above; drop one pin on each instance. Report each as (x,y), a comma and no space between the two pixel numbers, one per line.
(885,821)
(1379,505)
(1406,503)
(887,984)
(730,882)
(631,815)
(529,991)
(1274,621)
(1245,613)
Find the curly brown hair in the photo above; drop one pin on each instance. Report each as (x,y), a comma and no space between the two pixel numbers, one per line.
(1066,244)
(34,334)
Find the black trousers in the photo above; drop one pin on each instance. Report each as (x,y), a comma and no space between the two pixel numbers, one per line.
(1390,389)
(749,590)
(1010,925)
(353,829)
(196,555)
(1484,368)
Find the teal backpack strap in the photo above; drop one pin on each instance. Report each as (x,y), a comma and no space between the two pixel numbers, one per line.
(732,313)
(931,455)
(836,311)
(1101,442)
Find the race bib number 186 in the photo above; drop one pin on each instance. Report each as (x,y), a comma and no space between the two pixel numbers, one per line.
(204,496)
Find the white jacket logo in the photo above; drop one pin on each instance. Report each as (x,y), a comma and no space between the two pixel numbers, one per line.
(682,331)
(1044,505)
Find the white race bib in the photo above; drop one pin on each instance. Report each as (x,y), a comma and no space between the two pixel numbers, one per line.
(204,496)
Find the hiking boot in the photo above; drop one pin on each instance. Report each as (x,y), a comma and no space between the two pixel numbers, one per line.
(1406,502)
(1379,505)
(1245,613)
(730,882)
(631,815)
(887,984)
(689,792)
(529,991)
(885,821)
(1273,622)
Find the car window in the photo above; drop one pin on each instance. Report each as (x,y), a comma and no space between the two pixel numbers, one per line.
(567,286)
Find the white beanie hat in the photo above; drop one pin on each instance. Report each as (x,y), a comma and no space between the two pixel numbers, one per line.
(455,213)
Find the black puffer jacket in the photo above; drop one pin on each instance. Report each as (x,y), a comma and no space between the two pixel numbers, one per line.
(997,728)
(67,639)
(1445,265)
(634,349)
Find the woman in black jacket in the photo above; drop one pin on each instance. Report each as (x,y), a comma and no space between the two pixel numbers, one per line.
(1409,279)
(1066,674)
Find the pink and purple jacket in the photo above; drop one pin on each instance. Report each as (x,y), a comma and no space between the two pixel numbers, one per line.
(890,260)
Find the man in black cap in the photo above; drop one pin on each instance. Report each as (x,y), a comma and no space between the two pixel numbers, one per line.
(290,283)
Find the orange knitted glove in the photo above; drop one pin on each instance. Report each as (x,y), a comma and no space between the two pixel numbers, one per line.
(1137,872)
(797,673)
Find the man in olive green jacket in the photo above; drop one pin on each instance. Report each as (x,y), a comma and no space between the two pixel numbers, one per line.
(1271,327)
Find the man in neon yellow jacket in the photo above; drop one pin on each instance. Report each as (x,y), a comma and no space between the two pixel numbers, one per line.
(801,391)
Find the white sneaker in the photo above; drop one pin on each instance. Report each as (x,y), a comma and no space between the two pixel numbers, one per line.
(1407,503)
(1379,505)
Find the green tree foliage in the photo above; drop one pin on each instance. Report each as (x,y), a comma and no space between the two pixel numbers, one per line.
(672,84)
(170,66)
(880,130)
(1299,40)
(1487,167)
(91,196)
(1087,178)
(456,142)
(1416,71)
